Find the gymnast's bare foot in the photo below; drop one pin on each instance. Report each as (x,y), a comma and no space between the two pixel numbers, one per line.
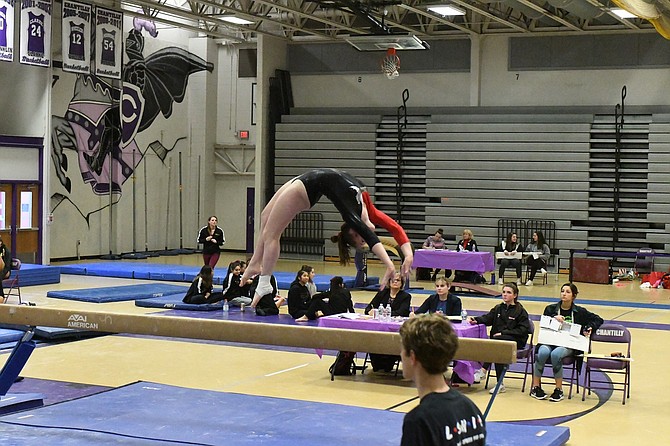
(302,319)
(280,301)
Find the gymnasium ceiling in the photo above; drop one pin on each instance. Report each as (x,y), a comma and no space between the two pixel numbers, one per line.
(332,20)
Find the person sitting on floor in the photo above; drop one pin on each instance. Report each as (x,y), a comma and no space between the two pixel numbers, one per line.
(311,286)
(442,301)
(269,304)
(509,322)
(201,290)
(298,295)
(234,291)
(334,301)
(444,416)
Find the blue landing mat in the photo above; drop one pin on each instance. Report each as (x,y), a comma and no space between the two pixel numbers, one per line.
(130,415)
(182,273)
(32,274)
(119,293)
(9,335)
(174,302)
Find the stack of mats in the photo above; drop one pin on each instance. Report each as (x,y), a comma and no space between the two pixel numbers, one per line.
(37,274)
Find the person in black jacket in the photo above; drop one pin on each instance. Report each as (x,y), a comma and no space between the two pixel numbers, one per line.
(212,238)
(201,290)
(298,295)
(393,294)
(443,301)
(400,301)
(563,311)
(508,321)
(5,266)
(334,301)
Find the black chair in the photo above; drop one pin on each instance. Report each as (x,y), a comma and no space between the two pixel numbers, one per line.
(12,285)
(525,356)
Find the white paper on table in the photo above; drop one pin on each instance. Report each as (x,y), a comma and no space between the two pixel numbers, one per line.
(348,316)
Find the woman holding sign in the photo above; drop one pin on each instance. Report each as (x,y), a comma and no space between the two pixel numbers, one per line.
(563,311)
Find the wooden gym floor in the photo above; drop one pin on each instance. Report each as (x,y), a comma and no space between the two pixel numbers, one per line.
(117,360)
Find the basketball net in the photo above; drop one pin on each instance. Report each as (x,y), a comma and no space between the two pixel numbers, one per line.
(391,64)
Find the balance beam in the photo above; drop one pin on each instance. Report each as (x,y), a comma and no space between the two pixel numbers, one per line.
(482,350)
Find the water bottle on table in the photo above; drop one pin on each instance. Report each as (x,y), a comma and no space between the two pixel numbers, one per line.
(464,316)
(388,312)
(380,312)
(225,306)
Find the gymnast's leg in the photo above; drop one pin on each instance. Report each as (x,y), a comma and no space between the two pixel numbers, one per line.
(289,201)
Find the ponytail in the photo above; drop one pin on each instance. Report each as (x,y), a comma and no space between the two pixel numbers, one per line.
(343,241)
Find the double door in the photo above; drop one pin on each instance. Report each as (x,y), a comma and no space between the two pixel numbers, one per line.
(20,221)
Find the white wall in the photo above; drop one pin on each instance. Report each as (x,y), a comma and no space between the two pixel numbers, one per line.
(499,87)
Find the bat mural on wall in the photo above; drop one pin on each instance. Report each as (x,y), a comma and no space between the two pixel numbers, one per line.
(104,116)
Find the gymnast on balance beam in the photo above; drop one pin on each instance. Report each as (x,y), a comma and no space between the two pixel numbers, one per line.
(349,196)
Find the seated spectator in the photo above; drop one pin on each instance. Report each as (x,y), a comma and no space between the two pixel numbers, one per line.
(563,311)
(436,241)
(444,416)
(269,304)
(509,322)
(234,291)
(311,286)
(539,256)
(510,247)
(201,290)
(442,301)
(394,295)
(298,295)
(334,301)
(467,244)
(400,302)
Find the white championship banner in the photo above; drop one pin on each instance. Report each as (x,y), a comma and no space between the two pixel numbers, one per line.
(7,30)
(35,41)
(108,34)
(76,37)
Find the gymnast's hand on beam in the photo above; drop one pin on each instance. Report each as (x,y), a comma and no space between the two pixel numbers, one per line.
(406,267)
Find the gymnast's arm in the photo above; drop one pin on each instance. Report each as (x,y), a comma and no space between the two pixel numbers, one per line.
(379,218)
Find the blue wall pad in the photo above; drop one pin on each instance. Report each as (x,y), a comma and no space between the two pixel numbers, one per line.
(128,414)
(173,302)
(119,293)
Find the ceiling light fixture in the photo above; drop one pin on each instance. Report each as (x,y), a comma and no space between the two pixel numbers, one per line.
(446,10)
(623,13)
(236,20)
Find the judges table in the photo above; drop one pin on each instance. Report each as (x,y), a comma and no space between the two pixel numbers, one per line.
(357,321)
(479,262)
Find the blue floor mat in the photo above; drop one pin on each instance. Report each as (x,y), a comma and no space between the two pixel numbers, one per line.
(129,415)
(174,302)
(183,273)
(119,293)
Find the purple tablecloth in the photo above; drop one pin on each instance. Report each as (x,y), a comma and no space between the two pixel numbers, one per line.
(479,262)
(464,369)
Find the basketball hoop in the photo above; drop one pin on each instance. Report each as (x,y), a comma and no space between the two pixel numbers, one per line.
(391,64)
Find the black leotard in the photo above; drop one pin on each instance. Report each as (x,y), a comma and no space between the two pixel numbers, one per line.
(345,193)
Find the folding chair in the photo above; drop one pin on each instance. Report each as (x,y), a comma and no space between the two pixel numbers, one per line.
(525,356)
(11,285)
(612,336)
(643,263)
(367,361)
